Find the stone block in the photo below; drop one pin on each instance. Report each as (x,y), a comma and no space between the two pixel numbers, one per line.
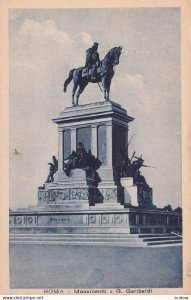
(130,191)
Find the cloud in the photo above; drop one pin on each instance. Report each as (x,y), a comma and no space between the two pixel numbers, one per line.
(84,38)
(135,81)
(45,30)
(25,65)
(137,92)
(133,85)
(38,46)
(41,44)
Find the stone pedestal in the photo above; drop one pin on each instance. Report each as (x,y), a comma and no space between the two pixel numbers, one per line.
(136,195)
(78,191)
(130,191)
(103,128)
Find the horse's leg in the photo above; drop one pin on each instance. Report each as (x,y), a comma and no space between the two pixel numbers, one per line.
(73,92)
(104,87)
(82,86)
(108,88)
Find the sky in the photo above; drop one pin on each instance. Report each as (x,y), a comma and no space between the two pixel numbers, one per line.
(44,44)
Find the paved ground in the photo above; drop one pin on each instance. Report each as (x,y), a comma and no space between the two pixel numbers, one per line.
(54,266)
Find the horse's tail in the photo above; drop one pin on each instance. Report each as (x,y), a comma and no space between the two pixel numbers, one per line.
(69,79)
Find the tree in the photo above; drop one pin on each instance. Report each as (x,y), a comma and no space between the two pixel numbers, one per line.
(178,210)
(168,208)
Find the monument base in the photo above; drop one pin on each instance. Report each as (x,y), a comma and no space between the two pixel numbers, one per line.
(87,199)
(77,188)
(129,220)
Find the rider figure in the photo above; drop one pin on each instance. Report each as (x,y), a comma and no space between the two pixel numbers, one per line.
(92,60)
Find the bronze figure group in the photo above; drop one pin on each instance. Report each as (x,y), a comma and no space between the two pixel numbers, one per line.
(81,159)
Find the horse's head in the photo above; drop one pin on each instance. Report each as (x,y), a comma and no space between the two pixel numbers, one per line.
(112,57)
(116,53)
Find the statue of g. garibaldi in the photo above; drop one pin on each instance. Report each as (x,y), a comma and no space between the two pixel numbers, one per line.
(92,59)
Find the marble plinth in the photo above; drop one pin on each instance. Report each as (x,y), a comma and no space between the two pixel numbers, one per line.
(134,195)
(130,191)
(79,187)
(127,220)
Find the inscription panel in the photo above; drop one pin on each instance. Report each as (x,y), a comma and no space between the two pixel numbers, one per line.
(61,220)
(107,219)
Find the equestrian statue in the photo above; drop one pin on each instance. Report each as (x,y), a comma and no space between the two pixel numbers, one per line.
(95,71)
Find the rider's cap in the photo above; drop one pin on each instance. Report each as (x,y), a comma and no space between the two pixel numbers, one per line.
(95,44)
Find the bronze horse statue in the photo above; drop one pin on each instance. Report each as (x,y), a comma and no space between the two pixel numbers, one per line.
(104,76)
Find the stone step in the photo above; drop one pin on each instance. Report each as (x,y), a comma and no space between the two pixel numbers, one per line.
(145,235)
(100,243)
(69,229)
(85,242)
(86,229)
(165,245)
(96,239)
(161,238)
(92,239)
(111,234)
(76,235)
(164,242)
(80,239)
(95,235)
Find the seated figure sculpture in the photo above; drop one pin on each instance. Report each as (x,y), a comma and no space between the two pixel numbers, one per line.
(81,155)
(81,159)
(71,164)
